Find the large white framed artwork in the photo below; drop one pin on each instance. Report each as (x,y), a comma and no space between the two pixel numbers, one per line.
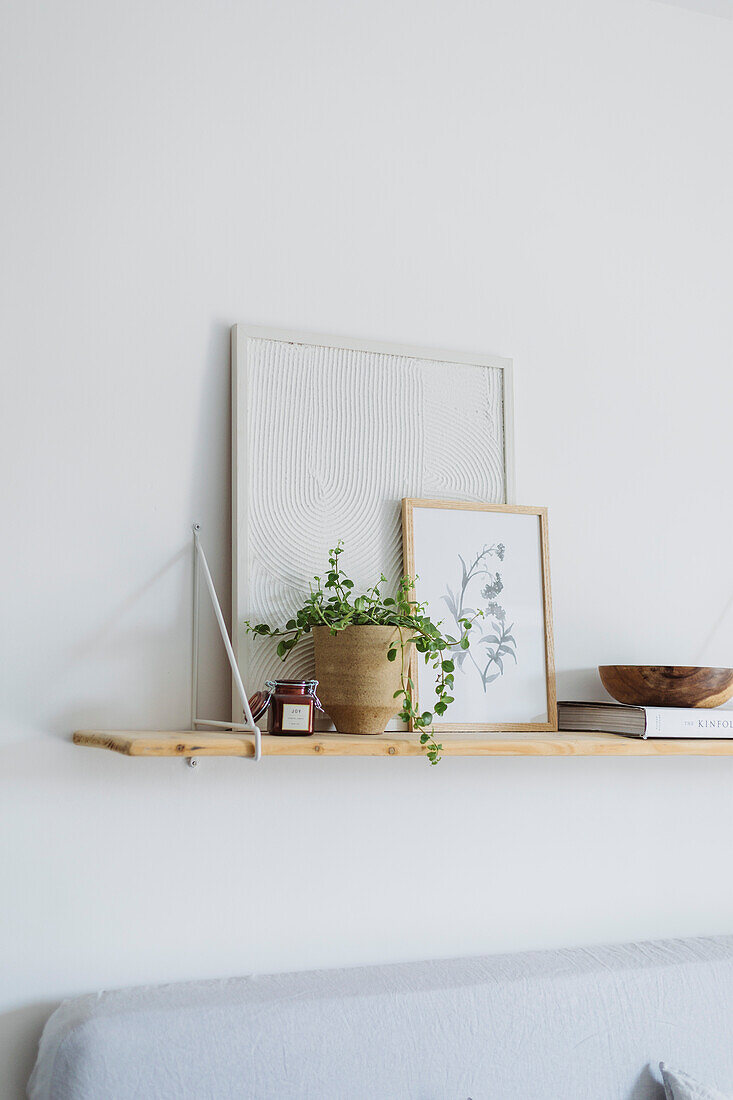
(487,565)
(329,435)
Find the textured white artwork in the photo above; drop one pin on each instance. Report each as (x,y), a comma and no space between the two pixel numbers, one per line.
(328,438)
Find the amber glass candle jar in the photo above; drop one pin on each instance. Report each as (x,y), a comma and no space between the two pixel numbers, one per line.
(292,703)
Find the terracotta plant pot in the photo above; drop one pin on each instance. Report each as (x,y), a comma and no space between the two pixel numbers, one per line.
(356,682)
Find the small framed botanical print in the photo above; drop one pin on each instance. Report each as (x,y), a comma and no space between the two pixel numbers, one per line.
(487,564)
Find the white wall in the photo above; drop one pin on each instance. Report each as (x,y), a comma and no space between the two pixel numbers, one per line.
(549,182)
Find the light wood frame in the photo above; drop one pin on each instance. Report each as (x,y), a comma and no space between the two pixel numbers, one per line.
(408,536)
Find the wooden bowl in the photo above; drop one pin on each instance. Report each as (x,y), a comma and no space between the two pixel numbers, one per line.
(667,685)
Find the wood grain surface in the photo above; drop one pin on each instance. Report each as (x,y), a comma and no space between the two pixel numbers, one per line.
(667,685)
(192,743)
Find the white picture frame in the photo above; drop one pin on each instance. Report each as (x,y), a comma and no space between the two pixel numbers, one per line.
(270,451)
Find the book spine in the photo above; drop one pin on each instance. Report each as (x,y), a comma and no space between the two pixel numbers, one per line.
(669,722)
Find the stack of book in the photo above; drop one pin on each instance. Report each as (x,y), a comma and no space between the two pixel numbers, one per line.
(645,721)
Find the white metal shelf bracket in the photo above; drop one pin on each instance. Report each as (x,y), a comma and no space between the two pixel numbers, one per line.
(200,565)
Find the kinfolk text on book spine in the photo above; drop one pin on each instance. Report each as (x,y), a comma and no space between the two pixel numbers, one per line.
(661,722)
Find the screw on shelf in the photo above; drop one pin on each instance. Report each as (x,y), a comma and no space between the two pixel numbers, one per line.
(192,761)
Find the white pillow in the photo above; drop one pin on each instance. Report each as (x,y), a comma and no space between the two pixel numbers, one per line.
(680,1086)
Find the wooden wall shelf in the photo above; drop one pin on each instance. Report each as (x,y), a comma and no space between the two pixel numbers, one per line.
(187,743)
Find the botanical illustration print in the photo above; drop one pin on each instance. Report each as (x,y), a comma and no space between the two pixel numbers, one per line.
(484,655)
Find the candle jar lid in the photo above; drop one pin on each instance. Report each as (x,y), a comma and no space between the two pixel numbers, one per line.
(258,703)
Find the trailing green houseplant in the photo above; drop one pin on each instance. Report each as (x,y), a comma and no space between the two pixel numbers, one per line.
(331,602)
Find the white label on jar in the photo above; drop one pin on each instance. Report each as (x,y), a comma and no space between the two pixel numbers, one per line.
(296,716)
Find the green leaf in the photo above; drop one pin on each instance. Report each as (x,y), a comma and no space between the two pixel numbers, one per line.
(465,643)
(448,666)
(391,654)
(424,738)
